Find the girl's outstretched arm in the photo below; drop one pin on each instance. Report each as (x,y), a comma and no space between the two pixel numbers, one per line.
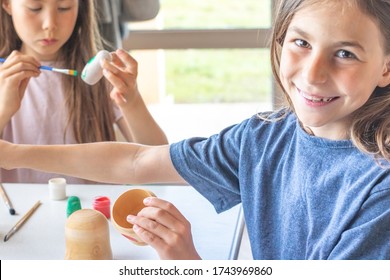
(109,162)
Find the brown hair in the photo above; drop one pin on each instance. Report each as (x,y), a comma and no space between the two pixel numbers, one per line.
(90,110)
(370,130)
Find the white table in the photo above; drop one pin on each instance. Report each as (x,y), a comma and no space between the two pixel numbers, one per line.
(42,237)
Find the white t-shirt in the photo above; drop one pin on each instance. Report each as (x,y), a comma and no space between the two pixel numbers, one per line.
(41,120)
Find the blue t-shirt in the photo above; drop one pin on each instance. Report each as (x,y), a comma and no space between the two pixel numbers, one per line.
(304,197)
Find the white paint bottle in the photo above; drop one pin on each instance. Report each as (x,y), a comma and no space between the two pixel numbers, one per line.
(93,72)
(57,188)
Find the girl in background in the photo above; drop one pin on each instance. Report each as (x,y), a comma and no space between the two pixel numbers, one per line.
(313,178)
(43,107)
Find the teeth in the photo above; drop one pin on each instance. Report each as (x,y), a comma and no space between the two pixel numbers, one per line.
(313,99)
(320,100)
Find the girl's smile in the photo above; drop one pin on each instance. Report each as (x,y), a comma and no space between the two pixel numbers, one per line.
(315,100)
(330,66)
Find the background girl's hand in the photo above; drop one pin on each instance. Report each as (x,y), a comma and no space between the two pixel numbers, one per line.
(15,73)
(122,73)
(138,125)
(162,226)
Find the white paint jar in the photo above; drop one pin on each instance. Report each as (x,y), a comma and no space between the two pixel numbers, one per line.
(57,188)
(93,72)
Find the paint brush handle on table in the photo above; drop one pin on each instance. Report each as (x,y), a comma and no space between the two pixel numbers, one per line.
(49,68)
(19,224)
(6,200)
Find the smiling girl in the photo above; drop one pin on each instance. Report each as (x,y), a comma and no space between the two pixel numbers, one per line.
(313,178)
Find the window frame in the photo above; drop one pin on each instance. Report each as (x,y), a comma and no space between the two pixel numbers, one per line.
(239,38)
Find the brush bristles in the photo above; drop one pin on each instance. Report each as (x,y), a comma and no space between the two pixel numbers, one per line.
(69,72)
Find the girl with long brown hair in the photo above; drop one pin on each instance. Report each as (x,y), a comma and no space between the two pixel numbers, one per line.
(42,107)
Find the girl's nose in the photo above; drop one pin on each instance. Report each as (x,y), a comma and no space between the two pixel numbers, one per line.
(315,69)
(49,22)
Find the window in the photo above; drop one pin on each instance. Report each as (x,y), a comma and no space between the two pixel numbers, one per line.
(205,52)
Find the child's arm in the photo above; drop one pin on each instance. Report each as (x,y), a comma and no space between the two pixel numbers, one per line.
(110,162)
(141,124)
(122,73)
(15,73)
(162,226)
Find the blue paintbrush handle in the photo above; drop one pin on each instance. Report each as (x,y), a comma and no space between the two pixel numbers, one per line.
(43,67)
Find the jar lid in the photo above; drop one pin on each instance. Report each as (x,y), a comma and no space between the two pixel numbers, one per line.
(73,205)
(101,201)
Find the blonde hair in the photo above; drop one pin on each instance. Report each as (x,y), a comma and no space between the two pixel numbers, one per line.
(370,129)
(90,112)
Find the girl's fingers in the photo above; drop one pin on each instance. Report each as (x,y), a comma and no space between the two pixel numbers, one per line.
(160,216)
(19,66)
(116,79)
(164,247)
(109,66)
(21,62)
(121,72)
(15,74)
(164,205)
(130,64)
(117,61)
(118,75)
(17,56)
(162,219)
(22,69)
(148,237)
(158,221)
(172,242)
(121,62)
(14,77)
(151,231)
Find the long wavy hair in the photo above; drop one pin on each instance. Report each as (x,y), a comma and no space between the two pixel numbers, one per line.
(370,129)
(90,112)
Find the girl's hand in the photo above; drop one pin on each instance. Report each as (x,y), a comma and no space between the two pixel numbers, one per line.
(164,228)
(138,124)
(122,73)
(15,73)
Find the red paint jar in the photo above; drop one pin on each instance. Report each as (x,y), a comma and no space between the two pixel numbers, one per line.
(102,204)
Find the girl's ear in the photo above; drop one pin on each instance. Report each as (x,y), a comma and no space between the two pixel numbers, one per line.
(385,79)
(7,6)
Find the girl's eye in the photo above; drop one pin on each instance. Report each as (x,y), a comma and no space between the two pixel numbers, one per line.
(61,9)
(345,54)
(302,43)
(64,9)
(34,9)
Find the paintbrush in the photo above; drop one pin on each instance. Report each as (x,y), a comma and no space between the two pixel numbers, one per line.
(49,68)
(19,224)
(6,200)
